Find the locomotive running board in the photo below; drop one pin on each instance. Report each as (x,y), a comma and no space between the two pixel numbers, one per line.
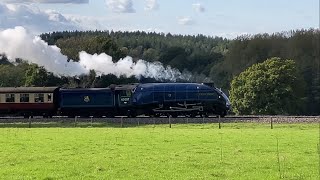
(165,110)
(176,109)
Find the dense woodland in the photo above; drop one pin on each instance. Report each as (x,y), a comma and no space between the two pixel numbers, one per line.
(217,58)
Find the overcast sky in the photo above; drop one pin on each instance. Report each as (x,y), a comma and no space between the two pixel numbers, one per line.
(227,18)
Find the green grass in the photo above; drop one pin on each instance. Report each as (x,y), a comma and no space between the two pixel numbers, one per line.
(194,151)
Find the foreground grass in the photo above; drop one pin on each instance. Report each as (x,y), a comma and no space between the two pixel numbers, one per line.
(198,151)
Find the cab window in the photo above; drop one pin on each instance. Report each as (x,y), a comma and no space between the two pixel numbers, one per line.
(125,93)
(38,97)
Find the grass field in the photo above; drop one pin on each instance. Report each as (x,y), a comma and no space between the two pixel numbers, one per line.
(194,151)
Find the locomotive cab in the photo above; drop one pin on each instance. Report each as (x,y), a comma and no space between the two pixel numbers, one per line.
(123,99)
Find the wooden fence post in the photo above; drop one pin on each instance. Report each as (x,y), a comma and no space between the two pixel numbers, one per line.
(29,121)
(121,121)
(75,121)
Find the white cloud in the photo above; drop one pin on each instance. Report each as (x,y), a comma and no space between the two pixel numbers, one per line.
(48,1)
(198,7)
(185,21)
(120,6)
(38,21)
(87,22)
(151,5)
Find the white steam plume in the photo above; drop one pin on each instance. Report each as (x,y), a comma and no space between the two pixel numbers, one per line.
(103,64)
(17,43)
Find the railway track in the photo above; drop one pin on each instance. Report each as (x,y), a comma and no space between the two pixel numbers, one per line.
(165,120)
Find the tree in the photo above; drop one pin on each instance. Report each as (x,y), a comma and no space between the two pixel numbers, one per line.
(4,59)
(271,87)
(97,44)
(36,76)
(88,80)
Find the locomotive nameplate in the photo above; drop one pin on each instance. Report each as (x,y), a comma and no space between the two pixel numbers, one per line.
(125,99)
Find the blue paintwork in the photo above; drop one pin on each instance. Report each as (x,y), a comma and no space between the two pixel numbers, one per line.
(173,92)
(86,98)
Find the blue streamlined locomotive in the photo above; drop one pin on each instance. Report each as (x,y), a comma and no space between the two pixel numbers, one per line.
(175,99)
(152,99)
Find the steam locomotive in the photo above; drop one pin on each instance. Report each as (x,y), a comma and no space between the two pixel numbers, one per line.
(151,99)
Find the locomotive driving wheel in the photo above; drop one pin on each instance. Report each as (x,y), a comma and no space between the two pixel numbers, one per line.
(174,115)
(223,113)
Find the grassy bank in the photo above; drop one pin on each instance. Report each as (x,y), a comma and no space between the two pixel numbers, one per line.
(194,151)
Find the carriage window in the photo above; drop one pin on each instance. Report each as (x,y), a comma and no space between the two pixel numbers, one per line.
(9,97)
(38,97)
(49,97)
(24,97)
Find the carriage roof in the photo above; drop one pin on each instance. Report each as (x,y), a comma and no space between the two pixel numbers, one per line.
(27,89)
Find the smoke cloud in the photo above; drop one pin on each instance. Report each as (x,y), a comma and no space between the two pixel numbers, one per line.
(18,43)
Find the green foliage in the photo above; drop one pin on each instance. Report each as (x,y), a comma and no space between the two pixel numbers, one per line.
(148,152)
(12,76)
(96,44)
(4,60)
(302,46)
(24,74)
(271,87)
(36,76)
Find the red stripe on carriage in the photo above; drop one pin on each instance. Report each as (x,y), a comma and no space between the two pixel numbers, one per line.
(26,106)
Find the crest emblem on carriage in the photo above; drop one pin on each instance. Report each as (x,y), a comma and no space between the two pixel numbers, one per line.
(86,98)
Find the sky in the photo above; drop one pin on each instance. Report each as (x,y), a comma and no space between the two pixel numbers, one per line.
(226,18)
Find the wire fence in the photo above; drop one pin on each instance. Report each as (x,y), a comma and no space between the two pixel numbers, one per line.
(129,122)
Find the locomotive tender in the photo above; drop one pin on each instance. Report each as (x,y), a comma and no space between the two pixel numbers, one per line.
(152,99)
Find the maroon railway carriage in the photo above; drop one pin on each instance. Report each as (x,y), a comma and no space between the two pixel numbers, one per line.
(28,101)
